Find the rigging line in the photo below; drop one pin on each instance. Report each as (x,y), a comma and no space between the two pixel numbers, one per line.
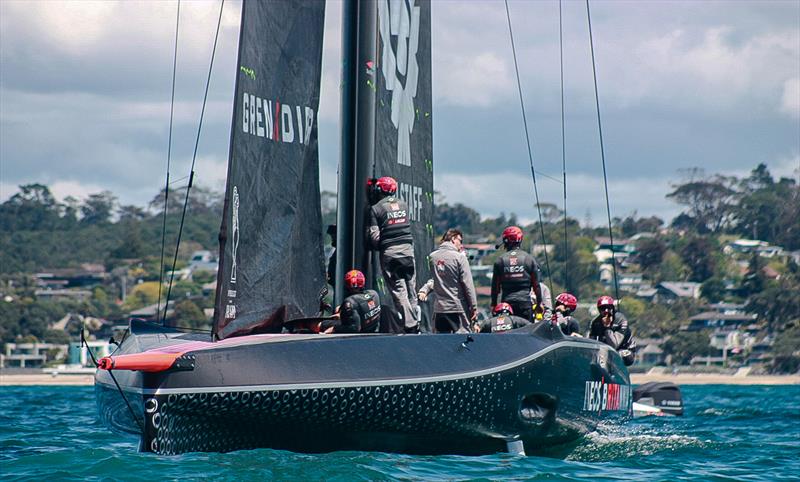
(194,158)
(563,144)
(169,157)
(602,153)
(530,151)
(121,392)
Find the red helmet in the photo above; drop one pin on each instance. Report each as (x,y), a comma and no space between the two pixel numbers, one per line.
(512,235)
(604,301)
(501,307)
(567,300)
(386,185)
(354,280)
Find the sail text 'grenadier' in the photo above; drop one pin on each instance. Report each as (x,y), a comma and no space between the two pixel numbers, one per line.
(389,230)
(515,274)
(452,283)
(611,327)
(360,311)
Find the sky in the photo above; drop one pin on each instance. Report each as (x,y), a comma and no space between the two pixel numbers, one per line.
(85,98)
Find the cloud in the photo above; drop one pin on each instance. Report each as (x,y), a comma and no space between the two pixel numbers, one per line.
(790,100)
(508,192)
(85,92)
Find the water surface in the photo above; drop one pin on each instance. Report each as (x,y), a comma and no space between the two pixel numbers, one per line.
(728,433)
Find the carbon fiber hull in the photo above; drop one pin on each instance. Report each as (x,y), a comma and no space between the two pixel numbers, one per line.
(418,394)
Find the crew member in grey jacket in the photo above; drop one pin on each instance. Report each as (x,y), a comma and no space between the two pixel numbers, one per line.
(452,283)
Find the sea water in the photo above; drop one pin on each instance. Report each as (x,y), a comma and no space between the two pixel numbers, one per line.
(728,433)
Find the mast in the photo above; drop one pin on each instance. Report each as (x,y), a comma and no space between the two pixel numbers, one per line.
(359,41)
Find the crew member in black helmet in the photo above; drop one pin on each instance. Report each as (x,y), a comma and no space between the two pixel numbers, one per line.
(389,231)
(515,275)
(360,311)
(611,327)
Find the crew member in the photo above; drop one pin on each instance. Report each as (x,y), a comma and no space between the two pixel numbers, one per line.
(566,304)
(502,319)
(360,312)
(332,259)
(611,327)
(389,231)
(515,275)
(546,303)
(452,283)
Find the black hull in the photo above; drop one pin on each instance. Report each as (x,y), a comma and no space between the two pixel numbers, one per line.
(417,394)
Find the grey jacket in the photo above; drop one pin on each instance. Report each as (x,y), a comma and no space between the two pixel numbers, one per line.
(452,281)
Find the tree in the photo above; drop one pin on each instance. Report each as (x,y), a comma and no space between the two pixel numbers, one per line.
(699,255)
(32,208)
(686,344)
(98,208)
(650,253)
(188,314)
(713,290)
(457,216)
(708,199)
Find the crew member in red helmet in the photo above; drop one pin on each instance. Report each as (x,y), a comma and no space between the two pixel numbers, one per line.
(389,231)
(503,319)
(360,312)
(611,327)
(515,275)
(566,304)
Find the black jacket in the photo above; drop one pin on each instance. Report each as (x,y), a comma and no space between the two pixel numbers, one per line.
(392,219)
(515,273)
(360,313)
(617,336)
(501,323)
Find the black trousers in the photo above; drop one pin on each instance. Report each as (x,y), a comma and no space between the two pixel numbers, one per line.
(523,309)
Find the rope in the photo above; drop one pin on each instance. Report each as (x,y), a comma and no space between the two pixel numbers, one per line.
(122,393)
(194,158)
(169,156)
(563,145)
(602,152)
(530,151)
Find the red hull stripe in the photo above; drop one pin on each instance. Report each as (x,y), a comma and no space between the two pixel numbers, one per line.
(162,359)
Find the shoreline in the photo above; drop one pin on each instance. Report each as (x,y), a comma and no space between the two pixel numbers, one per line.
(714,379)
(46,379)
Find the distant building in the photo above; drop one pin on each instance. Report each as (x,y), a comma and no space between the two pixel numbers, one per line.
(63,294)
(477,251)
(670,291)
(649,352)
(31,355)
(203,261)
(747,246)
(717,320)
(89,274)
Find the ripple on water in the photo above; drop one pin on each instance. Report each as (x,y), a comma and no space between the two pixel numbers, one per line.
(741,433)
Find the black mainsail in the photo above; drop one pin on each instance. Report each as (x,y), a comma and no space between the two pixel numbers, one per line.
(271,259)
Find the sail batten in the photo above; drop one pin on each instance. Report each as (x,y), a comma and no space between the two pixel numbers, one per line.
(271,259)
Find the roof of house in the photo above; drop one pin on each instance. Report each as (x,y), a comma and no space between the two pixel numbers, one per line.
(716,315)
(683,289)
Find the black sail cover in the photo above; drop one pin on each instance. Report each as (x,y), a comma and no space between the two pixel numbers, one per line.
(271,258)
(404,122)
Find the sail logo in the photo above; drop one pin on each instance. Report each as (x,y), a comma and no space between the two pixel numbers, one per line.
(399,20)
(600,396)
(275,121)
(412,195)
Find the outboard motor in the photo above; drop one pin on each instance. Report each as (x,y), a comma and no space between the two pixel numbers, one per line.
(657,398)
